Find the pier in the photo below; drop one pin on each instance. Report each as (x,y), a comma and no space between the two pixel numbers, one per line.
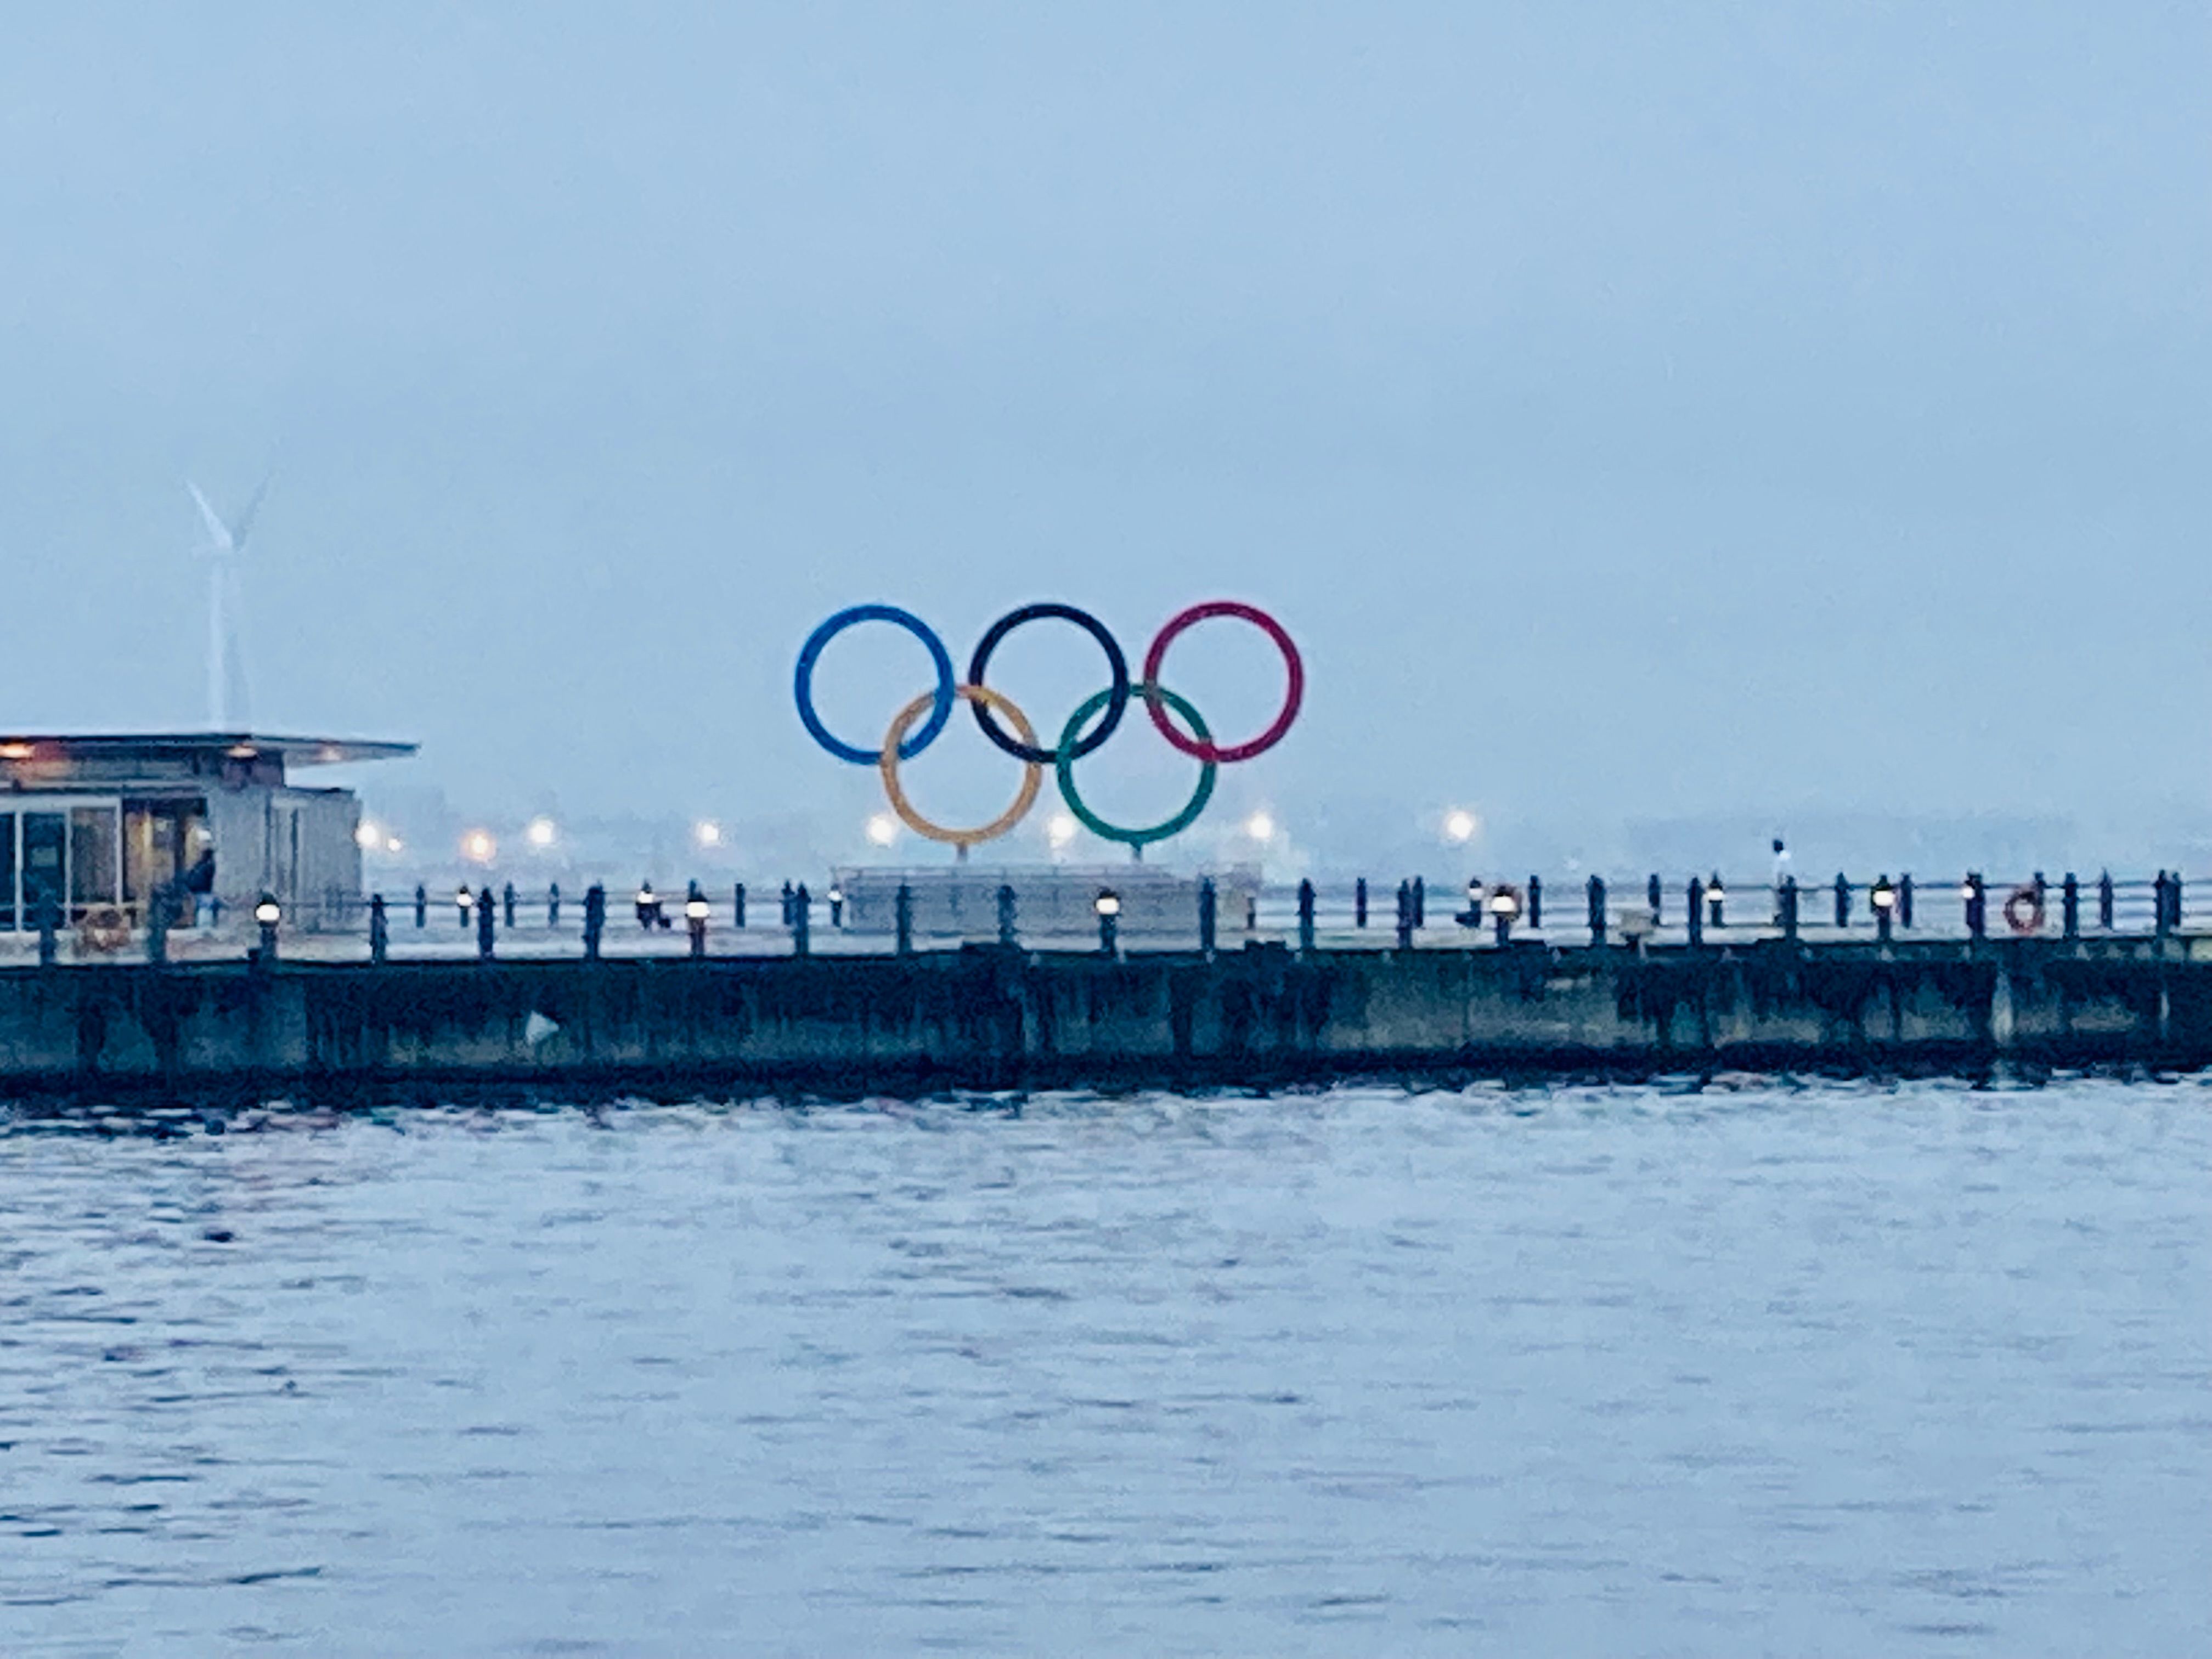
(775,1010)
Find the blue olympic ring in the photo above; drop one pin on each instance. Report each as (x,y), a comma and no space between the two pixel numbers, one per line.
(803,682)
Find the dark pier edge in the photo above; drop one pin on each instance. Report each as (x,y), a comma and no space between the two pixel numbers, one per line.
(995,1019)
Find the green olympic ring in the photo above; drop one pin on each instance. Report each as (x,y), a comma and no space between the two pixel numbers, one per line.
(1098,826)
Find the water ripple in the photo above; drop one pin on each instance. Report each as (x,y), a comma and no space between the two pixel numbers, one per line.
(1761,1366)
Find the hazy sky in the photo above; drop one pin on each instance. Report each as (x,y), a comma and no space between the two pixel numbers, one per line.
(1633,409)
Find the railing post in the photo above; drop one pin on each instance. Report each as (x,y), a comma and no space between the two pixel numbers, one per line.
(595,920)
(422,907)
(1697,894)
(1420,901)
(464,905)
(1108,905)
(161,912)
(1905,901)
(379,930)
(1654,890)
(1535,901)
(1404,915)
(2161,903)
(802,921)
(694,917)
(1883,897)
(553,904)
(2070,906)
(1597,910)
(1359,902)
(266,916)
(2173,891)
(506,906)
(902,919)
(1977,906)
(1789,908)
(1208,904)
(1843,900)
(738,907)
(1007,934)
(487,922)
(786,903)
(2105,901)
(1305,918)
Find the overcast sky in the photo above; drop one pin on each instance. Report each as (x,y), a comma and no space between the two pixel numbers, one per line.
(1634,411)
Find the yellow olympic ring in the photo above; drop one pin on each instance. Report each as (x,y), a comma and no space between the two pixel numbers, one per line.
(888,764)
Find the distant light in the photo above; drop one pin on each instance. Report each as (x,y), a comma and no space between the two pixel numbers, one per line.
(1260,827)
(695,909)
(1504,902)
(464,897)
(14,751)
(1714,892)
(882,829)
(366,835)
(540,833)
(1107,903)
(393,844)
(242,751)
(645,895)
(1459,825)
(707,833)
(1062,829)
(479,846)
(1883,898)
(268,913)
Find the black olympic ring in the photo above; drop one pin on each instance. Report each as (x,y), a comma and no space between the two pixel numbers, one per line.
(1117,696)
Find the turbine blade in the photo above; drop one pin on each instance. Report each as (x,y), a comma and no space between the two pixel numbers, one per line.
(218,531)
(243,527)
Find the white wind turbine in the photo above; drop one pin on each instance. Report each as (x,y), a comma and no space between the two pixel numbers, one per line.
(225,664)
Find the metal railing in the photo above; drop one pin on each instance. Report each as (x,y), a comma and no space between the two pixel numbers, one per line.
(486,921)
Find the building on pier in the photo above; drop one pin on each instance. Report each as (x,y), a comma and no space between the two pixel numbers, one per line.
(94,825)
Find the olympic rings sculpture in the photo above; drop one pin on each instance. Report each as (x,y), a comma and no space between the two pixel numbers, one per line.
(1078,738)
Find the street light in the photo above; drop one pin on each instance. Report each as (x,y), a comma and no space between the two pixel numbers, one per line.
(695,918)
(882,829)
(540,833)
(707,833)
(1260,826)
(366,835)
(478,847)
(1459,825)
(1504,911)
(1060,830)
(1107,904)
(268,913)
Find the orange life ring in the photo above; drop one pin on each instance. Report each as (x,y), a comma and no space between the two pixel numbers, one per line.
(2023,910)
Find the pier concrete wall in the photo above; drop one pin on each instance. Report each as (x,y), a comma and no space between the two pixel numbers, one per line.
(987,1018)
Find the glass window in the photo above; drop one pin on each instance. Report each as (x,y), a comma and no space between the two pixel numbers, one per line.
(46,834)
(94,878)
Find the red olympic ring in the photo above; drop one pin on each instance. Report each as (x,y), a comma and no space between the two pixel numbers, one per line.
(1202,748)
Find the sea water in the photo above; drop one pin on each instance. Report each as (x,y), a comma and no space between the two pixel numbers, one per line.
(1832,1368)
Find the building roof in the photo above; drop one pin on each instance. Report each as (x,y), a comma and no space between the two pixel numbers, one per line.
(172,745)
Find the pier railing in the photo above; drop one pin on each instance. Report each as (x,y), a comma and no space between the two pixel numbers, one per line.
(486,922)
